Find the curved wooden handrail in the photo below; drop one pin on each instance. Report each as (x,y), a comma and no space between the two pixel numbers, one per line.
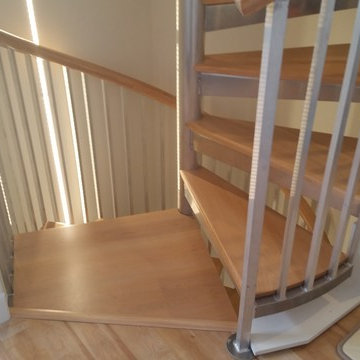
(250,6)
(11,41)
(246,7)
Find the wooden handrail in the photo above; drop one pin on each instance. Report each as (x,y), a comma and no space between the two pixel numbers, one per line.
(24,46)
(247,7)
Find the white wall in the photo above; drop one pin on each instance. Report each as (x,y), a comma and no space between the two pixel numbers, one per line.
(133,37)
(112,33)
(14,18)
(163,13)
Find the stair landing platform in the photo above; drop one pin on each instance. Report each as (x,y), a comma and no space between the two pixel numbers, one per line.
(150,269)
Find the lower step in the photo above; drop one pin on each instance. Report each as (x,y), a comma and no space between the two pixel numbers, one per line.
(151,269)
(222,210)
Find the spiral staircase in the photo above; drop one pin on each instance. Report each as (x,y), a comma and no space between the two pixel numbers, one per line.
(283,282)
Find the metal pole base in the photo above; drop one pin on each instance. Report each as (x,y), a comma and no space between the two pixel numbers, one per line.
(235,352)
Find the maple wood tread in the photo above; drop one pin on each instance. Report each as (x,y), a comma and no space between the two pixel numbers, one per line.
(231,142)
(151,269)
(296,64)
(19,44)
(221,208)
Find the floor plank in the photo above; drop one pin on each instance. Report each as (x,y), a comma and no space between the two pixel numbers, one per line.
(40,340)
(52,340)
(98,341)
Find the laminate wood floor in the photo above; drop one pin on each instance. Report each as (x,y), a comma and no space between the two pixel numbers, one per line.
(43,340)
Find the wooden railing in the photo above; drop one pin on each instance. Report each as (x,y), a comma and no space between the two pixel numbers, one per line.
(11,41)
(110,137)
(251,6)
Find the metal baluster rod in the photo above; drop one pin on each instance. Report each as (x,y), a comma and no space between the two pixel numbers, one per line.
(274,33)
(189,50)
(334,152)
(345,212)
(7,247)
(307,121)
(354,242)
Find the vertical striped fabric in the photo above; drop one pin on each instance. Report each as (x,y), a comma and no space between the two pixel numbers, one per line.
(117,149)
(5,245)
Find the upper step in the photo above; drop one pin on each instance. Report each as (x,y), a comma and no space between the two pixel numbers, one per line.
(296,64)
(221,209)
(237,74)
(231,142)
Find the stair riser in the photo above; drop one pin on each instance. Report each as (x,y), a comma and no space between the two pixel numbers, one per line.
(238,86)
(277,175)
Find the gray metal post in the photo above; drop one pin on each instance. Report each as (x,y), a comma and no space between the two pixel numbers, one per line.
(347,91)
(189,51)
(307,121)
(354,242)
(345,212)
(274,33)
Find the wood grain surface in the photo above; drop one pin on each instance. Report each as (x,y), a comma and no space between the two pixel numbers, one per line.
(150,269)
(296,64)
(232,141)
(247,7)
(224,208)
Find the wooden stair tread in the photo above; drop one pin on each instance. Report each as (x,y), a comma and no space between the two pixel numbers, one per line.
(231,141)
(222,209)
(296,64)
(151,269)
